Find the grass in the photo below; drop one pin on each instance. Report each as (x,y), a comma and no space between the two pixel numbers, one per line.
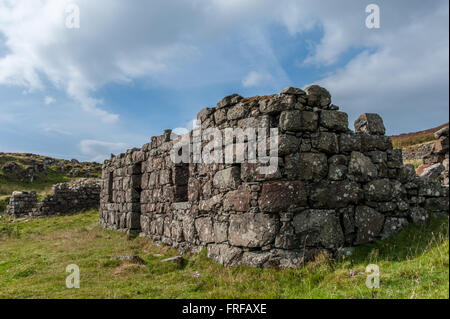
(34,255)
(412,140)
(415,163)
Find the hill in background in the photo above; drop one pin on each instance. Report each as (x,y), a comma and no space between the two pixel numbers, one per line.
(24,171)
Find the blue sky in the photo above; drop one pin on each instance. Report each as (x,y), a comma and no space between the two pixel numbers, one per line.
(133,69)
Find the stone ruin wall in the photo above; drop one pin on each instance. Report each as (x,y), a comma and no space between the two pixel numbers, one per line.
(66,198)
(333,188)
(436,161)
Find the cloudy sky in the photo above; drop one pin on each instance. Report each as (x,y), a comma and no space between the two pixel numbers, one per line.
(134,68)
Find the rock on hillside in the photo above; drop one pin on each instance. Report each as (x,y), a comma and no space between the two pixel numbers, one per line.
(28,168)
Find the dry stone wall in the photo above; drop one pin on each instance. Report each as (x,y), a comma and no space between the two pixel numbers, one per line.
(436,162)
(66,198)
(332,188)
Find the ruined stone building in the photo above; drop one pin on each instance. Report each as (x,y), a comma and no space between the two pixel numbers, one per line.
(65,198)
(332,188)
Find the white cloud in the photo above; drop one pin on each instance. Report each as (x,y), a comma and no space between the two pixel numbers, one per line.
(200,43)
(49,100)
(55,129)
(254,78)
(100,150)
(406,75)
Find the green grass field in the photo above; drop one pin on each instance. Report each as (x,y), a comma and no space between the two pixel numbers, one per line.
(34,255)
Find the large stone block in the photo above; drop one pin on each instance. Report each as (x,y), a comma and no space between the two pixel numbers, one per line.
(349,143)
(375,142)
(250,172)
(312,166)
(238,200)
(299,121)
(208,205)
(276,104)
(224,254)
(278,196)
(361,167)
(318,228)
(334,120)
(369,223)
(326,142)
(370,123)
(318,96)
(237,112)
(252,230)
(288,144)
(393,225)
(229,101)
(228,178)
(343,194)
(378,190)
(205,230)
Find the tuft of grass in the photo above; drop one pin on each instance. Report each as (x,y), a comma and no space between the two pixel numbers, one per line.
(415,163)
(413,264)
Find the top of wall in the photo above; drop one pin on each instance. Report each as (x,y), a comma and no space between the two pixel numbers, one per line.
(266,111)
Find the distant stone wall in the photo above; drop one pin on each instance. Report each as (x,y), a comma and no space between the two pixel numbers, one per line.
(332,188)
(436,161)
(66,198)
(21,203)
(422,150)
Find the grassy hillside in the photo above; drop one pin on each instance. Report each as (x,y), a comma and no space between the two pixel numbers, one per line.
(35,253)
(39,173)
(415,138)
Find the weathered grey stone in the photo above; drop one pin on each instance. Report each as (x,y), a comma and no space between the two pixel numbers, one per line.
(293,91)
(369,224)
(407,173)
(318,96)
(297,121)
(204,114)
(288,144)
(237,112)
(229,100)
(442,132)
(337,172)
(318,227)
(228,178)
(393,225)
(278,196)
(334,120)
(276,104)
(361,167)
(205,230)
(349,143)
(326,142)
(343,194)
(437,204)
(312,166)
(370,123)
(379,190)
(224,254)
(238,200)
(433,171)
(419,215)
(252,230)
